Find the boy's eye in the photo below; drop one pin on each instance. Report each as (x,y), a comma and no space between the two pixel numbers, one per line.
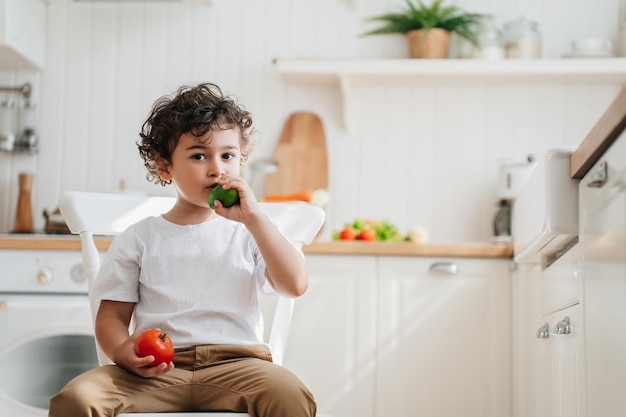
(228,156)
(198,156)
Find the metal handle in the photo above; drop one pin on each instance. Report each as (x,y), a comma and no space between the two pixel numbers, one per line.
(44,276)
(599,176)
(449,268)
(544,331)
(563,327)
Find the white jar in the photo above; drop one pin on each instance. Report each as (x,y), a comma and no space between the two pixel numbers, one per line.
(491,44)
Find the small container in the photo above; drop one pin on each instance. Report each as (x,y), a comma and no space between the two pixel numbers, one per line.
(502,220)
(522,39)
(7,125)
(491,41)
(27,139)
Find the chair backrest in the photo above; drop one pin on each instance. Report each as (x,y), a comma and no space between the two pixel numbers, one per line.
(91,214)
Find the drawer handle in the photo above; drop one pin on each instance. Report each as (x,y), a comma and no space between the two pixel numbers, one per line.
(563,327)
(544,331)
(448,268)
(599,176)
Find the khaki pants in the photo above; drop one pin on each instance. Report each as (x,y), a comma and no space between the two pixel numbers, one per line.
(209,378)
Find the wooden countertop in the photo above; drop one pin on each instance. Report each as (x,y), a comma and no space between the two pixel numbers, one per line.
(601,136)
(466,249)
(469,249)
(48,242)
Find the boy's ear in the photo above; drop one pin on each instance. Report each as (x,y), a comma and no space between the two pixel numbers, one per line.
(163,169)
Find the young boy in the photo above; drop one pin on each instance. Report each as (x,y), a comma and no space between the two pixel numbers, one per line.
(195,273)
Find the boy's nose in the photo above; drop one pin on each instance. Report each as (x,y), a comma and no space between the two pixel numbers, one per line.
(216,171)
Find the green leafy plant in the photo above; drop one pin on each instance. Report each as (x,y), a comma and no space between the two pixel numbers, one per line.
(418,15)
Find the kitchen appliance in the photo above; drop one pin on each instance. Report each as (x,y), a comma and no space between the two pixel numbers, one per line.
(46,335)
(512,176)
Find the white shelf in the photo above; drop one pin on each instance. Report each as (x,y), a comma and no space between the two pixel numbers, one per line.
(347,73)
(561,70)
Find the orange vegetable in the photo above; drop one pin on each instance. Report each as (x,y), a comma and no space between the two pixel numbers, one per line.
(348,233)
(305,194)
(367,234)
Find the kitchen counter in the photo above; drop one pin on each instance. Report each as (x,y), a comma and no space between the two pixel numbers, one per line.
(467,249)
(601,136)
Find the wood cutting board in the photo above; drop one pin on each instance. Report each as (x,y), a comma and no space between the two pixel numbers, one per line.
(301,156)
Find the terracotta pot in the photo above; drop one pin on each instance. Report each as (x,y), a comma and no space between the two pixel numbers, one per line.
(433,43)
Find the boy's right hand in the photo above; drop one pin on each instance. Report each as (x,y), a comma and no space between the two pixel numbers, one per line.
(126,357)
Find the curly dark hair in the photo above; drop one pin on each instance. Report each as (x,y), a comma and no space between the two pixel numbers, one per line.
(192,109)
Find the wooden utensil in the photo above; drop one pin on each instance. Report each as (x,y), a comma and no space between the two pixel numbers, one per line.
(301,156)
(24,214)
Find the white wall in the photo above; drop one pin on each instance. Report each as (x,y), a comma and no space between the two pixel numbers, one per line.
(434,149)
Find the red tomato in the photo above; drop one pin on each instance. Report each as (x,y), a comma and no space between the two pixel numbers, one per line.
(348,233)
(156,343)
(367,234)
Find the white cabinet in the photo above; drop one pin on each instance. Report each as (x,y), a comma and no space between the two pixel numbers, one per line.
(332,343)
(548,347)
(22,34)
(379,336)
(561,365)
(443,337)
(526,321)
(603,237)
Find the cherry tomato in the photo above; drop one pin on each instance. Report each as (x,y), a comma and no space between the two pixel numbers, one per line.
(367,234)
(156,343)
(348,233)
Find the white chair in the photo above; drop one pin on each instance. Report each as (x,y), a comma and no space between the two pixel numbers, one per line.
(92,214)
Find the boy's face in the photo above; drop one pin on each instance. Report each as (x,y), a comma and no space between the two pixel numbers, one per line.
(198,162)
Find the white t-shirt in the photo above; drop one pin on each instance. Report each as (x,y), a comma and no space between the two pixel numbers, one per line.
(199,283)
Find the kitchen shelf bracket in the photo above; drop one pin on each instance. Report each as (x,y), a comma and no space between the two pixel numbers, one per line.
(347,107)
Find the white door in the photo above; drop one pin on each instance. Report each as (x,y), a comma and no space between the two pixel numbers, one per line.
(443,337)
(604,271)
(332,343)
(561,367)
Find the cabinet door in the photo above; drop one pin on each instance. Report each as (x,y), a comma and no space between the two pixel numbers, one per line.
(569,364)
(526,352)
(561,364)
(443,338)
(603,226)
(332,341)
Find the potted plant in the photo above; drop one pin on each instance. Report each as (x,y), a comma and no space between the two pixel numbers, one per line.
(428,28)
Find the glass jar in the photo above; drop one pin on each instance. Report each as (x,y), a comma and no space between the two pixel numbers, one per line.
(522,39)
(28,116)
(491,43)
(7,125)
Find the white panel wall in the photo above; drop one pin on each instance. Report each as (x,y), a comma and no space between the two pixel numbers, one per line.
(420,155)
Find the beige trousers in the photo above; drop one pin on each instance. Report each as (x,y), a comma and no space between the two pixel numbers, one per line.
(209,378)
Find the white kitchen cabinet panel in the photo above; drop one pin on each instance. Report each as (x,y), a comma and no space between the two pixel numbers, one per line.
(603,239)
(22,34)
(548,367)
(332,343)
(560,389)
(560,282)
(443,337)
(526,321)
